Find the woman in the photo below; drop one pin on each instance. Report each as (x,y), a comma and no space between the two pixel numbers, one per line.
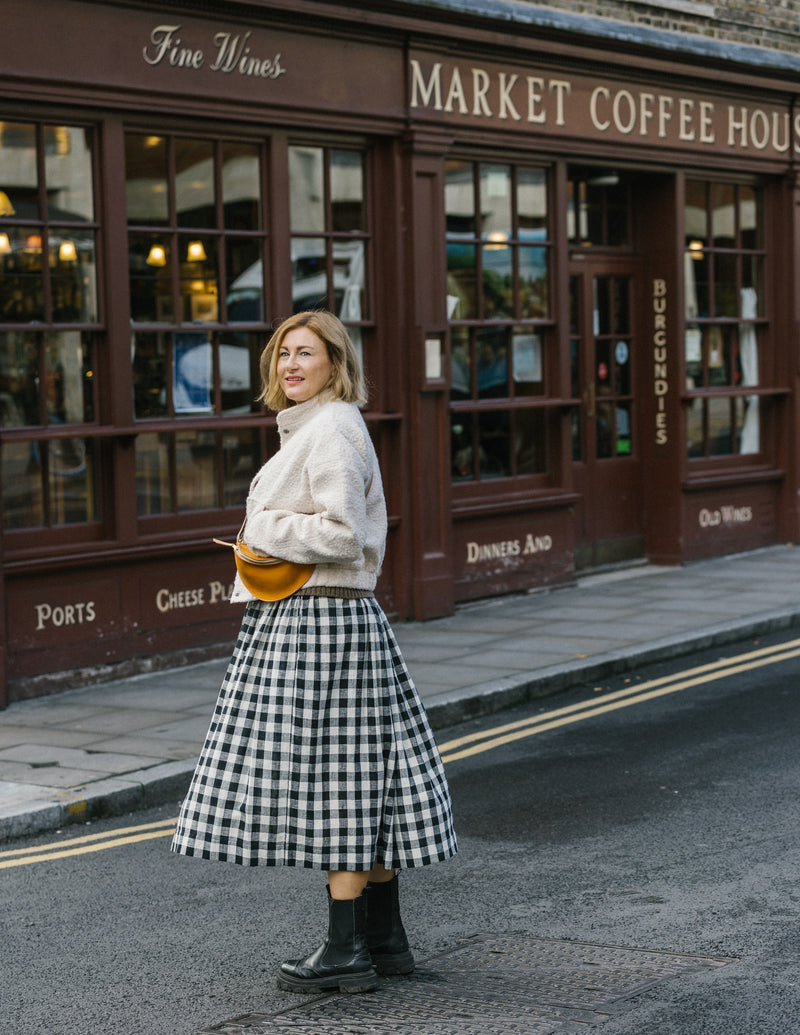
(319,753)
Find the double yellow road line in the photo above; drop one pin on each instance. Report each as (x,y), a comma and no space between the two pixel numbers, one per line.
(487,740)
(86,844)
(452,750)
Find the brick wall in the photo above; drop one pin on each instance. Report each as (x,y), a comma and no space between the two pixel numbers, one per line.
(774,24)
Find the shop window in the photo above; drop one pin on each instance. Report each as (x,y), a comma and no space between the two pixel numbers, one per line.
(498,298)
(330,238)
(724,287)
(197,246)
(598,208)
(49,325)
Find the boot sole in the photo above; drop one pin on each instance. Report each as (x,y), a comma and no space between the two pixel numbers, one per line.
(352,983)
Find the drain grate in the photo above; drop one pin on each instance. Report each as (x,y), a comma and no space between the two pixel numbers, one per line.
(494,984)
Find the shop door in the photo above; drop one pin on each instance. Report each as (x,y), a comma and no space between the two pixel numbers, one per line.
(605,449)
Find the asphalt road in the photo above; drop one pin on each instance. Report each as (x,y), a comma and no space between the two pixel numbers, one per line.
(658,811)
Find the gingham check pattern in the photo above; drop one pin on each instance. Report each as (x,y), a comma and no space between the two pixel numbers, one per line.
(319,753)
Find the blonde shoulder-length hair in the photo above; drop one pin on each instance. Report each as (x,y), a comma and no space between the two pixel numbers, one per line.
(346,382)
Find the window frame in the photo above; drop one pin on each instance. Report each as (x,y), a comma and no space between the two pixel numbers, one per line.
(210,424)
(708,396)
(544,406)
(90,434)
(362,330)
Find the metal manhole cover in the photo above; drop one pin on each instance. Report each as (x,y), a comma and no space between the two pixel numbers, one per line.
(494,984)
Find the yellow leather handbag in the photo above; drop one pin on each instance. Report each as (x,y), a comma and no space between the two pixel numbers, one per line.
(267,578)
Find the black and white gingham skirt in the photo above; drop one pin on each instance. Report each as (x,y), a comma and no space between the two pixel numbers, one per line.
(319,752)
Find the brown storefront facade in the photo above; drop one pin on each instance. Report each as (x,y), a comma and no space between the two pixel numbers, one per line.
(569,265)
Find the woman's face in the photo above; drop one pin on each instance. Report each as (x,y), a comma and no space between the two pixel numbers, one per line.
(304,367)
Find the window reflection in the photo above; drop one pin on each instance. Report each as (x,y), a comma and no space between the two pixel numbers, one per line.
(23,495)
(751,224)
(498,257)
(150,358)
(494,435)
(35,255)
(726,296)
(724,289)
(460,364)
(69,378)
(46,378)
(309,273)
(462,278)
(534,288)
(68,173)
(241,461)
(532,199)
(198,362)
(528,361)
(598,207)
(199,279)
(530,441)
(696,213)
(48,276)
(239,377)
(73,278)
(307,189)
(196,261)
(71,475)
(49,483)
(347,191)
(604,429)
(498,281)
(153,482)
(462,437)
(19,173)
(22,297)
(328,210)
(195,200)
(244,295)
(177,471)
(722,200)
(459,198)
(19,379)
(753,293)
(720,432)
(196,469)
(192,373)
(241,186)
(492,363)
(150,277)
(146,192)
(495,200)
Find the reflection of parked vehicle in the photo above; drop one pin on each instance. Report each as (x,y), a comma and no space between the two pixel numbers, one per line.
(309,282)
(310,277)
(193,378)
(245,297)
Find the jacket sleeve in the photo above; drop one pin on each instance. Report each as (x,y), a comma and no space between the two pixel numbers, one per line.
(334,531)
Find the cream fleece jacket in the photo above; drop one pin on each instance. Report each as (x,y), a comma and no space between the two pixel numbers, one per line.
(309,502)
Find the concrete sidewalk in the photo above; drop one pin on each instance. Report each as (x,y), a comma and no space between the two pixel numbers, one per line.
(119,746)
